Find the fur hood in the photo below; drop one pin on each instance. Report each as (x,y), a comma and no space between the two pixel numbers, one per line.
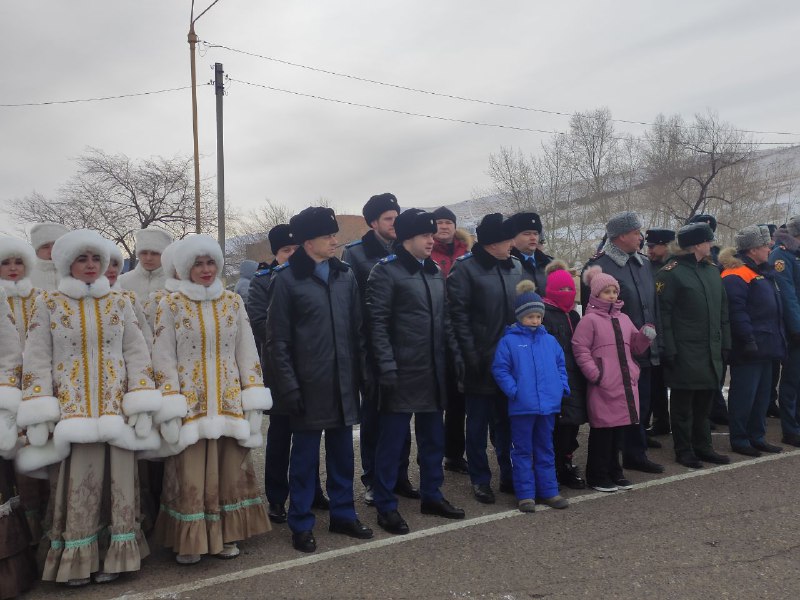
(115,254)
(70,245)
(464,236)
(729,259)
(11,247)
(43,233)
(190,248)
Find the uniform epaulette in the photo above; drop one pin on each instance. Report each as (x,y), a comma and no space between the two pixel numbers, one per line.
(386,260)
(670,265)
(280,267)
(464,257)
(262,272)
(353,243)
(597,255)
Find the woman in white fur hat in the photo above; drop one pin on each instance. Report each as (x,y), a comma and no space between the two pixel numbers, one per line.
(148,275)
(17,564)
(171,283)
(115,263)
(17,261)
(208,369)
(87,379)
(43,236)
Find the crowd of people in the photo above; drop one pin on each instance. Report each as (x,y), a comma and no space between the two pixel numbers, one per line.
(130,403)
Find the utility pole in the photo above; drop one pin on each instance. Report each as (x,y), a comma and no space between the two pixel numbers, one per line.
(219,90)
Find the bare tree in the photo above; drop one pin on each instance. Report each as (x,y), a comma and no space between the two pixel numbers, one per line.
(115,196)
(512,176)
(594,155)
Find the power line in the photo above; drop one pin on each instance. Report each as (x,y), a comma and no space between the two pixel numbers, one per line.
(98,99)
(441,118)
(454,96)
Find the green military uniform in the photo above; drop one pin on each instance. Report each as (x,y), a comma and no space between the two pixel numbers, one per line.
(695,333)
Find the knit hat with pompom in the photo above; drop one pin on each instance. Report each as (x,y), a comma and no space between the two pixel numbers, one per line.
(597,280)
(528,301)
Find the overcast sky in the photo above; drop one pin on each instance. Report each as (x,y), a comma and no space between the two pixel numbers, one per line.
(638,58)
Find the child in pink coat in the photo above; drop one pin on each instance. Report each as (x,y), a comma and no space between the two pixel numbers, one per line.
(602,344)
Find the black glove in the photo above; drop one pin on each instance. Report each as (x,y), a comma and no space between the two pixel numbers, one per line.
(750,350)
(725,355)
(293,403)
(388,380)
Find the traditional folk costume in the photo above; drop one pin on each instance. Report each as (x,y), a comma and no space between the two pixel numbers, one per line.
(43,274)
(171,283)
(21,294)
(140,280)
(88,379)
(17,564)
(209,373)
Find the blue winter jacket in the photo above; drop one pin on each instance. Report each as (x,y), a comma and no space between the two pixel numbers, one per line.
(785,258)
(529,367)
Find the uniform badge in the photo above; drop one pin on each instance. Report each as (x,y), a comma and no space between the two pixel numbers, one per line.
(660,286)
(780,265)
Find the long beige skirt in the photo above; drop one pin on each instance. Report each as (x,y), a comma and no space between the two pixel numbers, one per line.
(210,498)
(95,512)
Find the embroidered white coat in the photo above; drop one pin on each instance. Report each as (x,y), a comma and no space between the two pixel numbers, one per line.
(143,282)
(10,379)
(21,297)
(44,275)
(207,365)
(85,368)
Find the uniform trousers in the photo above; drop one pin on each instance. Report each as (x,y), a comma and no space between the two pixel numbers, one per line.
(691,431)
(370,431)
(429,430)
(532,456)
(788,392)
(276,461)
(748,400)
(303,470)
(483,410)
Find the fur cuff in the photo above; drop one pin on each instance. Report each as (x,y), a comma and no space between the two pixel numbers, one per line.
(139,401)
(165,450)
(114,430)
(254,441)
(39,409)
(213,428)
(172,405)
(33,458)
(10,398)
(256,398)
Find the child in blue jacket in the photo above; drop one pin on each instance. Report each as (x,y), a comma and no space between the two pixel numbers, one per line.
(529,367)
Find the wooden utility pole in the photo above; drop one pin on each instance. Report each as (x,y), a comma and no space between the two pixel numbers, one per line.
(192,43)
(219,90)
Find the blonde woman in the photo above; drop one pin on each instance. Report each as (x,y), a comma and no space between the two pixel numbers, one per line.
(208,369)
(88,380)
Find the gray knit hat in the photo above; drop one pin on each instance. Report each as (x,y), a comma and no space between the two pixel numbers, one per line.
(793,226)
(752,236)
(622,223)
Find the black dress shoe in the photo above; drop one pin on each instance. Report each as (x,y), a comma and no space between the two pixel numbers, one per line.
(713,457)
(506,486)
(355,529)
(483,493)
(652,442)
(570,476)
(276,512)
(320,501)
(404,488)
(773,410)
(456,465)
(659,429)
(442,508)
(392,522)
(689,461)
(645,465)
(765,447)
(792,440)
(304,541)
(746,450)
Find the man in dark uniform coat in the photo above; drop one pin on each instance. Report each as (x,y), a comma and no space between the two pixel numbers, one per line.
(410,330)
(379,212)
(657,241)
(279,433)
(621,259)
(527,230)
(315,358)
(481,291)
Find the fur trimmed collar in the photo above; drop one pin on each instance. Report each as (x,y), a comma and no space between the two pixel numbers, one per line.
(199,293)
(302,265)
(373,248)
(17,289)
(487,261)
(789,242)
(411,264)
(76,289)
(619,257)
(172,284)
(45,265)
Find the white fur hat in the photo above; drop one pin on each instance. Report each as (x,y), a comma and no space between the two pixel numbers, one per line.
(115,254)
(72,244)
(190,248)
(11,247)
(153,239)
(43,233)
(168,259)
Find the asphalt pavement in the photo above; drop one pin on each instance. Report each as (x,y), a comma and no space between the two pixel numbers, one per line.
(730,531)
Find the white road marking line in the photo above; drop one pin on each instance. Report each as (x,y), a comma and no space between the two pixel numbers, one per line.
(175,590)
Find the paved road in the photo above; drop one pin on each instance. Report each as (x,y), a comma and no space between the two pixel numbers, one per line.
(724,532)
